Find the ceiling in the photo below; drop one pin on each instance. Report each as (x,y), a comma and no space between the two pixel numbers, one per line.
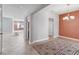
(64,8)
(20,11)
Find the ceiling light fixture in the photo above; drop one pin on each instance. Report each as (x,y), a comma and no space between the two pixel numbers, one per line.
(68,17)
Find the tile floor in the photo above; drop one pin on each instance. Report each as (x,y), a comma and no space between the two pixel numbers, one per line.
(16,45)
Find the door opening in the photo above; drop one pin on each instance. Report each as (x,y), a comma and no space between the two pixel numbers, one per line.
(1,34)
(28,29)
(51,28)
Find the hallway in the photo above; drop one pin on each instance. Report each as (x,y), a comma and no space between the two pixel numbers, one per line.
(16,45)
(14,20)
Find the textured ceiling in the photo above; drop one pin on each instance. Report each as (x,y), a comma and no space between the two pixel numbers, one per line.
(20,11)
(63,8)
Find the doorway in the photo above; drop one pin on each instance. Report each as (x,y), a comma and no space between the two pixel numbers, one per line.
(0,31)
(28,29)
(51,28)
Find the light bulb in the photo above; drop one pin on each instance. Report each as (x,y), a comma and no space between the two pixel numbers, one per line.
(72,17)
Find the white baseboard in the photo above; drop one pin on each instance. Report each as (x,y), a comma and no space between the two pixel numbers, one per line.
(69,38)
(39,40)
(55,36)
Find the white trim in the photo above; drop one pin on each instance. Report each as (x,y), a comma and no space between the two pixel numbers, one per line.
(70,38)
(39,40)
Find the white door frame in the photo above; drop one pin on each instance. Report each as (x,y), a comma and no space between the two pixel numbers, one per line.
(28,23)
(51,20)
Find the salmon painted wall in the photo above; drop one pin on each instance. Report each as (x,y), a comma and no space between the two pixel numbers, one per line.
(69,28)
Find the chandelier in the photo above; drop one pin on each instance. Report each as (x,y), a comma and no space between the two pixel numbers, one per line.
(68,17)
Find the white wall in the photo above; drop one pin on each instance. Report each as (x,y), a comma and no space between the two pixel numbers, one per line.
(0,21)
(0,28)
(7,25)
(40,24)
